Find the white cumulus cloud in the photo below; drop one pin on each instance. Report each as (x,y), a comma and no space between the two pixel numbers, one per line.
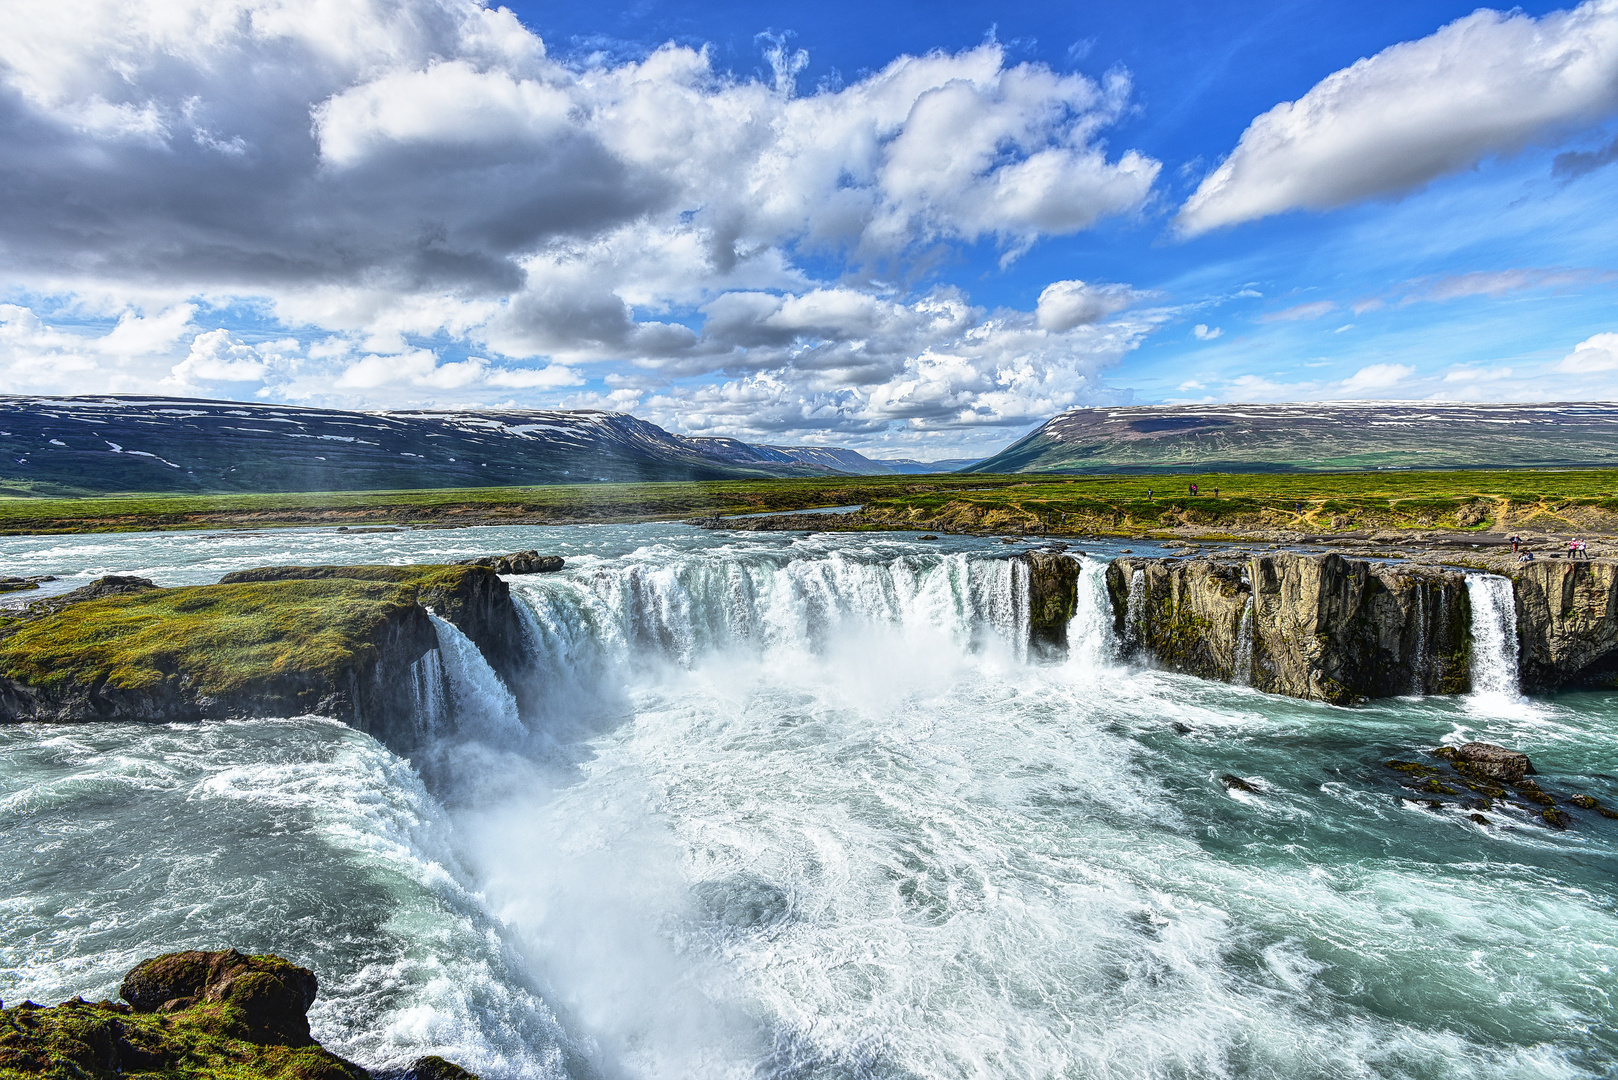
(1486,84)
(1597,353)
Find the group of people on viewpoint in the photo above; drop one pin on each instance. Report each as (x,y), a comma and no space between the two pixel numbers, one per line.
(1576,549)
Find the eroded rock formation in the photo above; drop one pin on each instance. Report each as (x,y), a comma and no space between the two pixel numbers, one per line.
(1567,624)
(518,562)
(1052,598)
(1319,627)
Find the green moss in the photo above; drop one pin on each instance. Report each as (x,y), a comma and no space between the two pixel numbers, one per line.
(82,1041)
(220,637)
(1436,787)
(1414,767)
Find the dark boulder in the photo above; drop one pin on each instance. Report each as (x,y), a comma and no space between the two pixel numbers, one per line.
(433,1067)
(518,562)
(1489,761)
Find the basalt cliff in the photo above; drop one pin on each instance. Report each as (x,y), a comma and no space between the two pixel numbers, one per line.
(1326,628)
(349,642)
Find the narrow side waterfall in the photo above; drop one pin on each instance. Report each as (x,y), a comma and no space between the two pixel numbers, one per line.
(483,704)
(1418,649)
(1494,635)
(1134,615)
(431,708)
(1243,673)
(1091,642)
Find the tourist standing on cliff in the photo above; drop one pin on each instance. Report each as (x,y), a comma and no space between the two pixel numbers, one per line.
(1515,542)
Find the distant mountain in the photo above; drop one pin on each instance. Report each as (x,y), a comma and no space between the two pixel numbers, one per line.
(1335,435)
(88,445)
(911,465)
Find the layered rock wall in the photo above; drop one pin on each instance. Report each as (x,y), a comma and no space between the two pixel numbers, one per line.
(1318,627)
(1567,624)
(1053,581)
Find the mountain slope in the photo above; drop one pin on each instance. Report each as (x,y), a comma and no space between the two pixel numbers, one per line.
(105,444)
(1335,435)
(94,445)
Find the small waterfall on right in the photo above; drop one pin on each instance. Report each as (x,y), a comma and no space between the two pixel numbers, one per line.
(1494,635)
(1243,675)
(1136,611)
(1091,642)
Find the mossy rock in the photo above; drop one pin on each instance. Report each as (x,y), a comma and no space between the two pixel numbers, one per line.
(193,1016)
(218,638)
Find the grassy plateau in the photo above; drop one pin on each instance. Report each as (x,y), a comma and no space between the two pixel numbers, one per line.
(1585,499)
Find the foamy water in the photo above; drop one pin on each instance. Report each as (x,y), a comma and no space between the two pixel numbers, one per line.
(803,807)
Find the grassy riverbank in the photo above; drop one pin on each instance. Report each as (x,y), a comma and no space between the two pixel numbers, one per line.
(555,504)
(1244,502)
(1585,499)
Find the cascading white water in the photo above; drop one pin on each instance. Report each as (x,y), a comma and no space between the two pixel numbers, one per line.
(483,705)
(681,609)
(1136,611)
(1494,635)
(1090,637)
(852,843)
(430,708)
(1243,673)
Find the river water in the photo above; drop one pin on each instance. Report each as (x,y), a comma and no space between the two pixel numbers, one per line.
(797,807)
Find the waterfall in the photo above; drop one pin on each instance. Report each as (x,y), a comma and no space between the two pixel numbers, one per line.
(1091,643)
(682,608)
(483,705)
(1418,651)
(1134,628)
(1494,635)
(1243,673)
(429,708)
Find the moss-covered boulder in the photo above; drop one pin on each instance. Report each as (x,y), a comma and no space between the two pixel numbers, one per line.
(191,1015)
(273,994)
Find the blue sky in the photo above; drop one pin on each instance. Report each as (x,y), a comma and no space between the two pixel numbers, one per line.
(909,229)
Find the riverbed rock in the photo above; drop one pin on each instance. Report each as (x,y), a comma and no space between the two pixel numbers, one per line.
(518,562)
(1567,623)
(1489,761)
(1317,626)
(273,994)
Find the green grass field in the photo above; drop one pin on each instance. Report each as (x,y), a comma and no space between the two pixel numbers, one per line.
(549,504)
(1124,505)
(1323,502)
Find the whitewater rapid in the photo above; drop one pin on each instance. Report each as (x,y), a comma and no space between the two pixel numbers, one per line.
(783,807)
